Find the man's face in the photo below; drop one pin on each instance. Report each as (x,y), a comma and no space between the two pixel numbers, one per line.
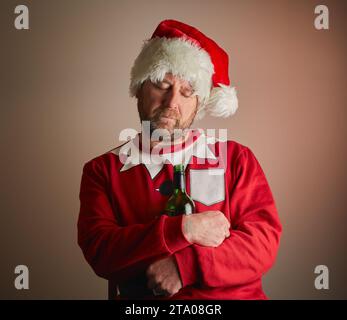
(169,104)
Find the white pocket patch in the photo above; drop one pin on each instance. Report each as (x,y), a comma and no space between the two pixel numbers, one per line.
(207,186)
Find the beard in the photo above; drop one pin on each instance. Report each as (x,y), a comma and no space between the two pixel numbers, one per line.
(165,118)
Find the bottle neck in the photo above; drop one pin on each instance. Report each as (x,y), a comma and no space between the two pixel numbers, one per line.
(179,181)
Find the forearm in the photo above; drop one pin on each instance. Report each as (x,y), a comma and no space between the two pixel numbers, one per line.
(243,257)
(112,250)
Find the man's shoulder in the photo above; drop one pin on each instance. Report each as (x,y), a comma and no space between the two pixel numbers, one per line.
(237,146)
(240,152)
(106,159)
(233,147)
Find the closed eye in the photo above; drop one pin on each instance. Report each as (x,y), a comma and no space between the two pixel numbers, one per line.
(187,92)
(162,85)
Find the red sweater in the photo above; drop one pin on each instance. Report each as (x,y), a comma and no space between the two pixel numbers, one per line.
(121,230)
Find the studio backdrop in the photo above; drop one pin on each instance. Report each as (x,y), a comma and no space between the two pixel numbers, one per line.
(65,99)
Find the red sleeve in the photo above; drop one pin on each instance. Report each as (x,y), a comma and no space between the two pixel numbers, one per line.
(187,263)
(255,232)
(117,251)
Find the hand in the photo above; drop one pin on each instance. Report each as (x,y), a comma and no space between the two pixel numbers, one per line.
(163,276)
(208,228)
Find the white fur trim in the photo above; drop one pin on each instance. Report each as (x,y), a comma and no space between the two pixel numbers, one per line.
(223,102)
(178,56)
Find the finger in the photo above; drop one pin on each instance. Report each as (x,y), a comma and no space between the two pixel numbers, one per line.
(175,288)
(170,285)
(226,222)
(149,271)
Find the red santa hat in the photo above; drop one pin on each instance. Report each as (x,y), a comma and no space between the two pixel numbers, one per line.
(184,51)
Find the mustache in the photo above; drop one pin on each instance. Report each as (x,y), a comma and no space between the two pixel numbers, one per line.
(168,113)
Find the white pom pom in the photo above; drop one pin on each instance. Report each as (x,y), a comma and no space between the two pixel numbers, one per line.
(222,101)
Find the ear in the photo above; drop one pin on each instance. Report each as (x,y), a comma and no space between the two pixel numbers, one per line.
(139,90)
(137,94)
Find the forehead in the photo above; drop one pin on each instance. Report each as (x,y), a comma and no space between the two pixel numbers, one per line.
(176,79)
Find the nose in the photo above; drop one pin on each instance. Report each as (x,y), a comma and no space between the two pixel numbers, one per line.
(173,99)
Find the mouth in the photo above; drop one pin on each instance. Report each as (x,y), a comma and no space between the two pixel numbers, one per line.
(167,119)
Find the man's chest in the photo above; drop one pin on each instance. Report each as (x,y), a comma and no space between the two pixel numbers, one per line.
(139,198)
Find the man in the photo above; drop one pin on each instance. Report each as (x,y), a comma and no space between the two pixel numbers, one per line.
(222,250)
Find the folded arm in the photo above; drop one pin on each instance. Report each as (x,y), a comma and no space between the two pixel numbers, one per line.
(119,251)
(251,248)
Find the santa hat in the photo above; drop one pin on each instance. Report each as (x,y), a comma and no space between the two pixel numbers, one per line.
(184,51)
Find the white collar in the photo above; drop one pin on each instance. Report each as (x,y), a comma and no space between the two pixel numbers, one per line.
(132,156)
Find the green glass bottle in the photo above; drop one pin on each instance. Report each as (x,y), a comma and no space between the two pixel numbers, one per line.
(179,202)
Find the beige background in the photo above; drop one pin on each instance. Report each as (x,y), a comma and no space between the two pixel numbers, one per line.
(64,100)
